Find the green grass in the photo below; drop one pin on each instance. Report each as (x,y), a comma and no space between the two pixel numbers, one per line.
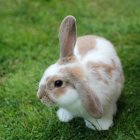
(29,43)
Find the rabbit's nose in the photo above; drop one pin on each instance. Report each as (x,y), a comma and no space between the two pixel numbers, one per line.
(41,92)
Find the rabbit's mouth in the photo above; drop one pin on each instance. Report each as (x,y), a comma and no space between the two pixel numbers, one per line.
(42,95)
(46,100)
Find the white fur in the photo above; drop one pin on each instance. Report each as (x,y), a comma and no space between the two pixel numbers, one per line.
(65,101)
(108,94)
(64,115)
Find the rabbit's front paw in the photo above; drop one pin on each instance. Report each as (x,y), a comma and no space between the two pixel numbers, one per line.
(64,115)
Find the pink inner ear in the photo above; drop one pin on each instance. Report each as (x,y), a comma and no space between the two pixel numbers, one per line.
(67,36)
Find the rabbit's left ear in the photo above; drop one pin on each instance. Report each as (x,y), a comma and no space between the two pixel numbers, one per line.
(67,36)
(89,99)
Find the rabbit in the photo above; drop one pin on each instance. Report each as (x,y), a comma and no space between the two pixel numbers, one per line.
(86,81)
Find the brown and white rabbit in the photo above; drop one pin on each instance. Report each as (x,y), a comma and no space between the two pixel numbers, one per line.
(86,81)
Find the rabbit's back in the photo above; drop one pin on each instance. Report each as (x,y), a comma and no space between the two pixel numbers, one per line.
(94,48)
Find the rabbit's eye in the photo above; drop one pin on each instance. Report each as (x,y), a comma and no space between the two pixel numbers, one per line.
(58,83)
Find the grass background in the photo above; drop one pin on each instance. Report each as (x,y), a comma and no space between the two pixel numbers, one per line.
(29,43)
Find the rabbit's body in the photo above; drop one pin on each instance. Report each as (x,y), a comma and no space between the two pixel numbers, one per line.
(102,66)
(86,81)
(104,71)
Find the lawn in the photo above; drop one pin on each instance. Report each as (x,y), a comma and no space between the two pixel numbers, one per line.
(29,44)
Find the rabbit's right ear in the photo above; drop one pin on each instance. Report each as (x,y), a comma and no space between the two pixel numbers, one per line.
(67,36)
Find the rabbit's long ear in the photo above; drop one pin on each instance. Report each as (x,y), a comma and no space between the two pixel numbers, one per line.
(67,36)
(89,99)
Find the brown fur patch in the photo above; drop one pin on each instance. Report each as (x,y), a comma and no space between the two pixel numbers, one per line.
(66,60)
(75,73)
(59,91)
(95,68)
(51,80)
(56,91)
(107,68)
(86,43)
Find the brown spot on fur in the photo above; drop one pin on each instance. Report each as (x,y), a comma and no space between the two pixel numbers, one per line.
(51,80)
(66,60)
(59,91)
(67,36)
(86,43)
(56,91)
(107,68)
(95,69)
(75,73)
